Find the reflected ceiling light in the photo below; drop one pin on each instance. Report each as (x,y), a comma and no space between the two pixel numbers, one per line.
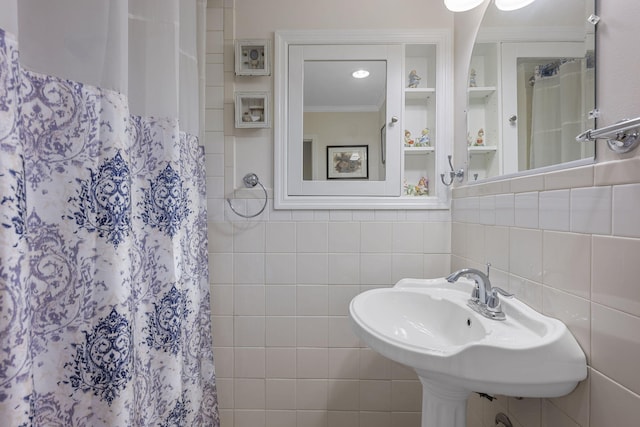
(507,5)
(461,5)
(360,74)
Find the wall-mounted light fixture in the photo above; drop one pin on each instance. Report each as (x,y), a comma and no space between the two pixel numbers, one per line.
(508,5)
(461,5)
(464,5)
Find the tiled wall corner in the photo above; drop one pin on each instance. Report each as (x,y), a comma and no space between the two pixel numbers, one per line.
(571,253)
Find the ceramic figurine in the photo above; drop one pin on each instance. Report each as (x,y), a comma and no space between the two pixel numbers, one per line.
(424,140)
(480,138)
(414,79)
(472,78)
(420,189)
(408,141)
(423,186)
(406,187)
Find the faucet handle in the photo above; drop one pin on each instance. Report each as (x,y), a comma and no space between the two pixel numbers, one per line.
(498,289)
(493,302)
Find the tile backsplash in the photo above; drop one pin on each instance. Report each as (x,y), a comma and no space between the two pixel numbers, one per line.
(571,253)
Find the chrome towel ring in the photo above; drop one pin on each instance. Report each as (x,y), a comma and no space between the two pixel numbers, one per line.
(251,180)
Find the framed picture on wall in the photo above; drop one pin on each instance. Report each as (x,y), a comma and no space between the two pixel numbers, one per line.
(347,162)
(253,57)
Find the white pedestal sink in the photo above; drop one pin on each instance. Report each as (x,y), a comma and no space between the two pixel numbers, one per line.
(427,325)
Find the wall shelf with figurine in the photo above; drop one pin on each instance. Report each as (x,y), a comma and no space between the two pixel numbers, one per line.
(419,150)
(483,112)
(419,119)
(252,110)
(482,149)
(481,92)
(253,57)
(418,93)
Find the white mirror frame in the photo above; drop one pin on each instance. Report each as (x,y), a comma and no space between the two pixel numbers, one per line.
(444,122)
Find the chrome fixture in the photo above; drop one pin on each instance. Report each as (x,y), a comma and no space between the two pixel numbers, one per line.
(502,419)
(484,298)
(621,137)
(452,174)
(251,180)
(593,19)
(482,283)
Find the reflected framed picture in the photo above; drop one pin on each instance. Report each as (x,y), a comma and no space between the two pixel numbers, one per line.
(347,162)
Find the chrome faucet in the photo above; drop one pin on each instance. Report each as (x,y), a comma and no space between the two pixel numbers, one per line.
(483,284)
(484,298)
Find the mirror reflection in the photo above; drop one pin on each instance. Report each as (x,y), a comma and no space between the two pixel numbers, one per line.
(344,106)
(531,88)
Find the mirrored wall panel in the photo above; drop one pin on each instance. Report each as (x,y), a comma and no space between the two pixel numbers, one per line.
(531,88)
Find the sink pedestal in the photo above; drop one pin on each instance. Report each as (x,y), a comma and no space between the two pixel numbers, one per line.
(443,405)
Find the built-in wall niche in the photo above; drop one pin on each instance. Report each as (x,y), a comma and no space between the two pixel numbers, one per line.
(419,119)
(483,120)
(252,110)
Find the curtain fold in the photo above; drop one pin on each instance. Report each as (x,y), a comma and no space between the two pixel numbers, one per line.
(553,130)
(104,294)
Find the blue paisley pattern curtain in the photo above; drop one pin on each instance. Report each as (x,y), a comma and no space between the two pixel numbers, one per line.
(104,298)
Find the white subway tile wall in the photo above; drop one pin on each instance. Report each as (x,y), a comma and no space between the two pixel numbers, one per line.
(526,210)
(571,253)
(554,210)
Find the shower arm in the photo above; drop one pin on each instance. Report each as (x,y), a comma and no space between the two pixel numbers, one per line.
(251,180)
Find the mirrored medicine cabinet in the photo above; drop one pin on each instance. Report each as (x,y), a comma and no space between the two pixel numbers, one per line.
(362,120)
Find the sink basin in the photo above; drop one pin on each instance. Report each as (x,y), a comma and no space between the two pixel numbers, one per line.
(427,325)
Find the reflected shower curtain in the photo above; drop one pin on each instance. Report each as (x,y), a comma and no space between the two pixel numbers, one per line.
(104,297)
(559,105)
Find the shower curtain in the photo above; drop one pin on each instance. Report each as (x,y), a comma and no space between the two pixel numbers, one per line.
(104,297)
(553,130)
